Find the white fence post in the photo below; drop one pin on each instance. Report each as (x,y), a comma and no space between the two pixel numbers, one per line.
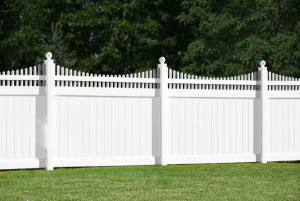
(50,84)
(163,73)
(264,110)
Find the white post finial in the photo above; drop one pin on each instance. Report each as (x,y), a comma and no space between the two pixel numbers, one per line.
(262,63)
(48,55)
(162,60)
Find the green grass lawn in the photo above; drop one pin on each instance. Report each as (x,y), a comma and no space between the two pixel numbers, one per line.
(245,181)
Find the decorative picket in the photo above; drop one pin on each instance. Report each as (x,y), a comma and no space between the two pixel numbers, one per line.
(52,116)
(68,78)
(211,83)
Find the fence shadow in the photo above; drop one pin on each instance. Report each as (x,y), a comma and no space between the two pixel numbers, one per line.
(156,142)
(257,128)
(40,132)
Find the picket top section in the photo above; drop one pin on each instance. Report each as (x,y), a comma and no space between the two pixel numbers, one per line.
(64,77)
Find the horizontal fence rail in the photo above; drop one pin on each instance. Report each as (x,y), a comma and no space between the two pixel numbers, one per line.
(51,116)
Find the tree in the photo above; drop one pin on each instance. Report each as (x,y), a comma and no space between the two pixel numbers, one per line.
(203,37)
(231,37)
(24,25)
(54,44)
(125,36)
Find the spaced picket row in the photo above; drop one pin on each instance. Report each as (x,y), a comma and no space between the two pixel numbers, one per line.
(24,77)
(33,76)
(68,78)
(212,83)
(283,86)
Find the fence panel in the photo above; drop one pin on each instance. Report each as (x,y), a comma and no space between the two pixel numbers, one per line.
(284,139)
(22,132)
(52,116)
(98,130)
(208,129)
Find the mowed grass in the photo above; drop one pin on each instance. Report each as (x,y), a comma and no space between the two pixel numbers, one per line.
(245,181)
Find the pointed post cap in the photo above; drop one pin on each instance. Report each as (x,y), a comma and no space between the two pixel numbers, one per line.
(162,60)
(262,63)
(48,55)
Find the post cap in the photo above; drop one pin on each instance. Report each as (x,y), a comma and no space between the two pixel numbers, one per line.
(48,55)
(162,60)
(262,63)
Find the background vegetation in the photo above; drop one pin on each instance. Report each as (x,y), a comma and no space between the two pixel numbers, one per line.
(203,37)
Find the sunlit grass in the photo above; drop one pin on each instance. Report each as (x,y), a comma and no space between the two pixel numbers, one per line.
(246,181)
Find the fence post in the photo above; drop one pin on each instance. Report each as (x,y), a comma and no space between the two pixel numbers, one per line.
(163,72)
(264,110)
(49,66)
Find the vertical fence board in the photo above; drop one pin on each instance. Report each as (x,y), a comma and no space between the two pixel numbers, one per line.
(10,127)
(239,124)
(19,128)
(176,127)
(115,126)
(33,132)
(122,127)
(108,125)
(182,121)
(195,126)
(291,125)
(275,126)
(189,125)
(208,126)
(149,127)
(245,134)
(250,126)
(86,126)
(285,125)
(270,123)
(280,125)
(170,125)
(3,128)
(71,126)
(78,129)
(93,122)
(220,125)
(100,127)
(63,130)
(214,126)
(143,126)
(201,126)
(233,126)
(136,127)
(129,126)
(57,127)
(227,121)
(297,126)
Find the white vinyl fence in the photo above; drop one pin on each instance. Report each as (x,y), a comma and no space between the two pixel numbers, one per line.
(52,116)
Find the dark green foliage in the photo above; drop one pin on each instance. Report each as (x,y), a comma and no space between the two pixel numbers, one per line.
(203,37)
(54,44)
(231,37)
